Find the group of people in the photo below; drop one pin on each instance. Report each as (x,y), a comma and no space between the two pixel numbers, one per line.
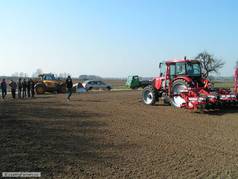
(24,88)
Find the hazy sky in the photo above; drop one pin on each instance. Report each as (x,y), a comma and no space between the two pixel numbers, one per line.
(113,38)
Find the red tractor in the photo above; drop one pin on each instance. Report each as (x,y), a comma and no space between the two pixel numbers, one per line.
(181,84)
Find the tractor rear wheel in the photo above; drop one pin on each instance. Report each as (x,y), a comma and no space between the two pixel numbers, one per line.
(40,89)
(178,87)
(149,95)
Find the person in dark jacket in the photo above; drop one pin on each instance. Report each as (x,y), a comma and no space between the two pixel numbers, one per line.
(4,88)
(24,86)
(69,85)
(32,88)
(29,88)
(13,86)
(19,88)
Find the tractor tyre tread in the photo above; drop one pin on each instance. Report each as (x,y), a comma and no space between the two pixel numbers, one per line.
(154,94)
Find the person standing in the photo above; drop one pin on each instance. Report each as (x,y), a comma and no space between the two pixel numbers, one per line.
(13,86)
(69,85)
(19,88)
(29,88)
(24,86)
(4,88)
(32,88)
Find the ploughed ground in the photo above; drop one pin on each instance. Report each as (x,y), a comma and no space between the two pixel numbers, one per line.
(114,135)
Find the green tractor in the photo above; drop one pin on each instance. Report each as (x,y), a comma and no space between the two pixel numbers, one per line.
(134,82)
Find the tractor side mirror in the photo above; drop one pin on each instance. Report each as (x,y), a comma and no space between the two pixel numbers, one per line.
(160,65)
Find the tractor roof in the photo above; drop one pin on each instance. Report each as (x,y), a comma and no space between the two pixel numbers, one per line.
(45,74)
(181,61)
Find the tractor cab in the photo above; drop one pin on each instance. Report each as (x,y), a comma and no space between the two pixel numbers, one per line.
(47,76)
(187,70)
(177,68)
(133,81)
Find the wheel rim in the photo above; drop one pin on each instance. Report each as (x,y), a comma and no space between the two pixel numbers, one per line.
(148,97)
(40,90)
(177,90)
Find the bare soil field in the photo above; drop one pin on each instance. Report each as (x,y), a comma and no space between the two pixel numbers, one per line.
(114,135)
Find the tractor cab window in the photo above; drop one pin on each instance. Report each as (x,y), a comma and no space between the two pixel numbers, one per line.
(162,69)
(180,69)
(48,77)
(172,71)
(193,69)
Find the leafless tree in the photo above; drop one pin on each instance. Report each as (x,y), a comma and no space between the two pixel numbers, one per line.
(209,63)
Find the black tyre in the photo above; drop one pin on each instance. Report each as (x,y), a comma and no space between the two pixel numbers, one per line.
(40,89)
(166,100)
(177,88)
(149,95)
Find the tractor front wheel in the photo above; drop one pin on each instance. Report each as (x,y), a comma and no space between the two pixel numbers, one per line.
(149,95)
(40,89)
